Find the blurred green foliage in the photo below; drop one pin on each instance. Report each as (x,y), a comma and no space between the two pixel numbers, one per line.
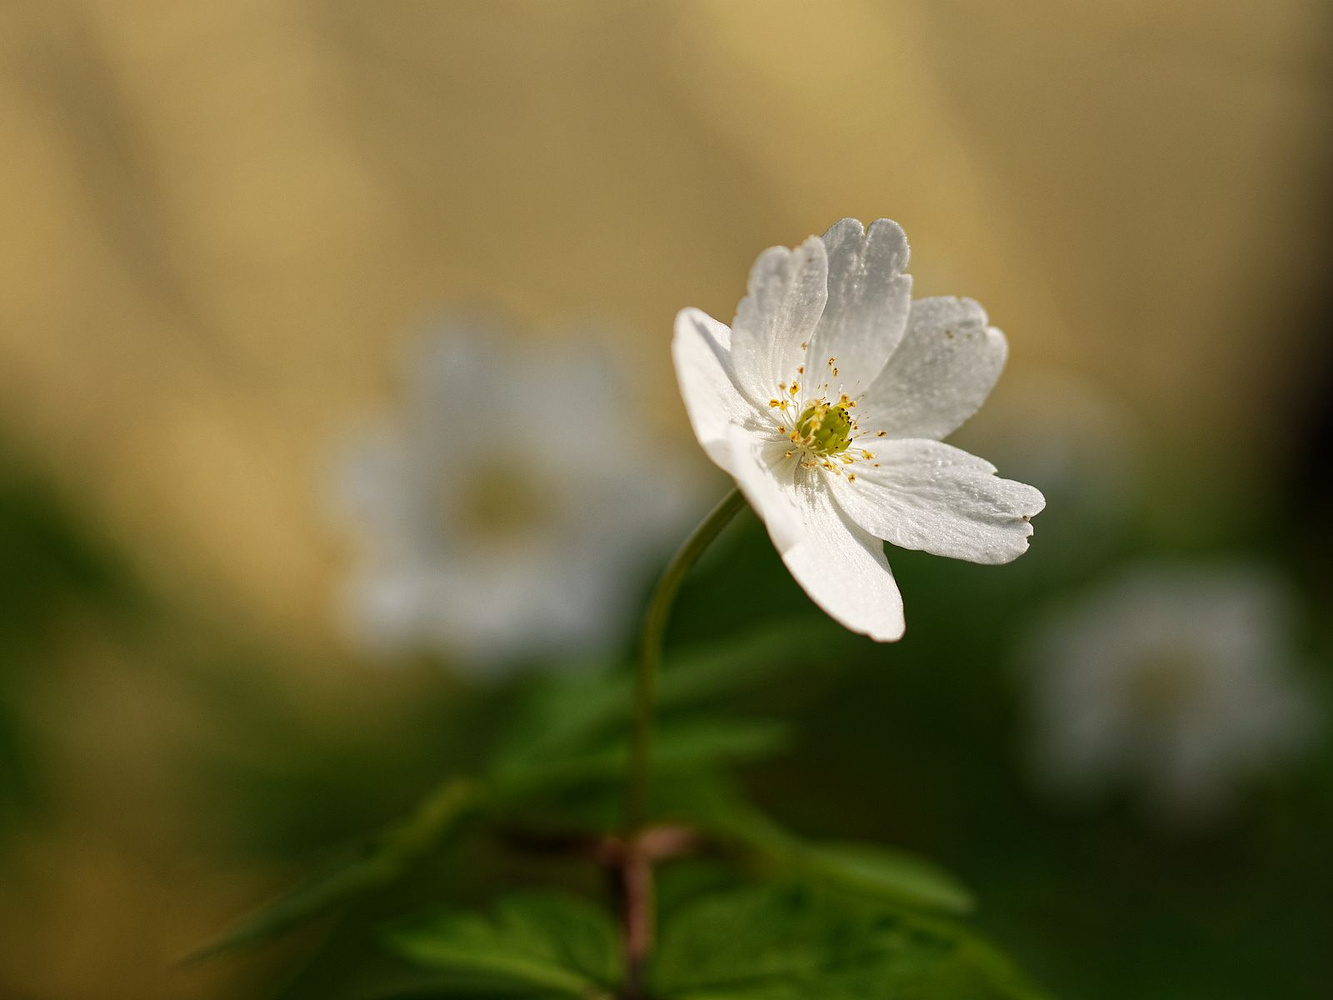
(477,790)
(53,568)
(916,745)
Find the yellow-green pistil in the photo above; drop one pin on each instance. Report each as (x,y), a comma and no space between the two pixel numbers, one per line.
(824,428)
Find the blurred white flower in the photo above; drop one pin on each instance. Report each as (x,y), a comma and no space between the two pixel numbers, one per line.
(826,400)
(1176,684)
(513,507)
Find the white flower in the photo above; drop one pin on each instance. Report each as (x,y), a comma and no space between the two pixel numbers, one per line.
(513,507)
(1177,683)
(826,400)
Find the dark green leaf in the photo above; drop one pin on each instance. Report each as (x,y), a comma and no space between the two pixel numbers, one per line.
(747,942)
(542,943)
(698,674)
(307,900)
(691,743)
(679,744)
(569,713)
(892,875)
(392,855)
(784,943)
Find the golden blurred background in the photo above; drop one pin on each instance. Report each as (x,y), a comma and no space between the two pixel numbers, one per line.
(221,223)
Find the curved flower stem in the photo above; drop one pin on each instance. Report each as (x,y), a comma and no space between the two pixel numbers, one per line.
(650,650)
(638,855)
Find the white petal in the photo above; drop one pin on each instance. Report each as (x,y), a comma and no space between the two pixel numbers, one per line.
(932,496)
(940,375)
(750,462)
(869,297)
(702,355)
(787,292)
(841,567)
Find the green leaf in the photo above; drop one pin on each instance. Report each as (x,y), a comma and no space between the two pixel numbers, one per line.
(748,942)
(545,944)
(388,859)
(694,742)
(450,987)
(701,673)
(885,873)
(306,901)
(893,875)
(791,943)
(569,713)
(679,745)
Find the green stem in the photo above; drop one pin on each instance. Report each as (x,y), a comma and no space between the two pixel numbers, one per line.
(650,649)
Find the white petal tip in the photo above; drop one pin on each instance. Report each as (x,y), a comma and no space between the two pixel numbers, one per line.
(689,317)
(886,624)
(889,636)
(886,229)
(842,229)
(884,629)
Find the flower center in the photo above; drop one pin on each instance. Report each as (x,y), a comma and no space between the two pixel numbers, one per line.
(496,507)
(824,428)
(1164,683)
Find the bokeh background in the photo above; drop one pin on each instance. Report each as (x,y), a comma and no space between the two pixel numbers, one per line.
(223,226)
